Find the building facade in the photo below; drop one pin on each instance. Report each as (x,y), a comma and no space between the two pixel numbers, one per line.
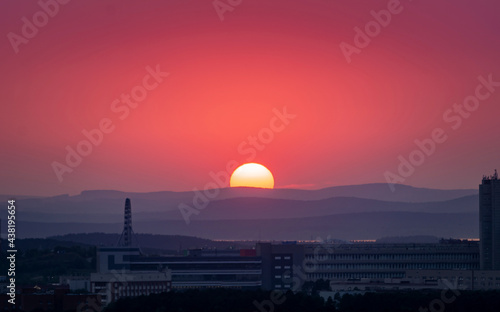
(489,222)
(115,278)
(197,269)
(311,262)
(279,261)
(113,286)
(75,282)
(349,261)
(459,279)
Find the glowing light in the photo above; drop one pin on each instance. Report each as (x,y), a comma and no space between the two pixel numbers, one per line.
(252,175)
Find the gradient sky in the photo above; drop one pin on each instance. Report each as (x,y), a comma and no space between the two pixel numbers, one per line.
(225,79)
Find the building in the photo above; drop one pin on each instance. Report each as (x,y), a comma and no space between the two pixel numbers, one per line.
(423,279)
(371,284)
(279,261)
(115,278)
(76,282)
(197,269)
(113,286)
(50,298)
(489,222)
(289,265)
(347,261)
(459,279)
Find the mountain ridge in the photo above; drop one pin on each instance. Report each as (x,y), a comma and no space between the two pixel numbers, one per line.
(260,208)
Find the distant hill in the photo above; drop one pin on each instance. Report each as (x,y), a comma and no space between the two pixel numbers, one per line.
(107,206)
(250,213)
(370,225)
(99,201)
(159,242)
(42,243)
(264,208)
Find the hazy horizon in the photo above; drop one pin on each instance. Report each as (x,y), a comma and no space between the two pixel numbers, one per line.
(243,187)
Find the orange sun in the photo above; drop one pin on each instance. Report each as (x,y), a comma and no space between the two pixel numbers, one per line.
(252,175)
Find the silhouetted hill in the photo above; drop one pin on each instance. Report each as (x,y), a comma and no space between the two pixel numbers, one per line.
(250,213)
(110,202)
(42,243)
(265,208)
(251,208)
(370,225)
(151,241)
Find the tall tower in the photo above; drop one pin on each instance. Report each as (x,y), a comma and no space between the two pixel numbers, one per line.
(489,222)
(126,237)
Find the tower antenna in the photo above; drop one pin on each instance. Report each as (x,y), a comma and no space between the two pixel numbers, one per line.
(126,237)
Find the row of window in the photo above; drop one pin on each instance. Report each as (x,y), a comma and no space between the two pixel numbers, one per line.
(129,293)
(330,276)
(460,278)
(139,287)
(424,256)
(346,275)
(387,266)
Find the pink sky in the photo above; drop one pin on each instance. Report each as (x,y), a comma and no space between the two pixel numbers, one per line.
(352,120)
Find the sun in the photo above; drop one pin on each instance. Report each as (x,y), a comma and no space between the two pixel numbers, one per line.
(252,175)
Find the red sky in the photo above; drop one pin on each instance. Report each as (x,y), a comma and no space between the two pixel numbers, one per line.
(225,79)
